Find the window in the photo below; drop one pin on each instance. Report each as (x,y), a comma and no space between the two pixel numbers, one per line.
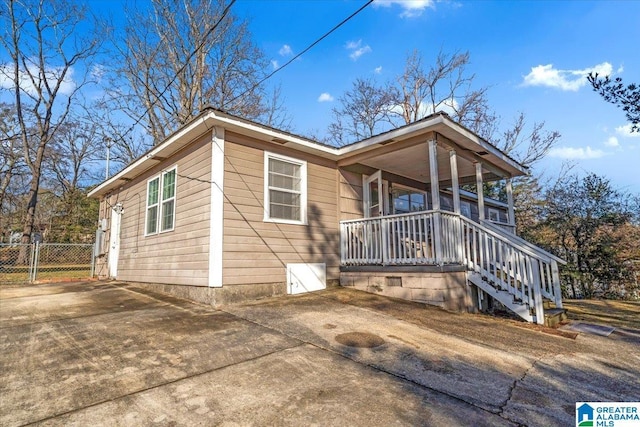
(465,209)
(285,189)
(161,203)
(406,200)
(494,215)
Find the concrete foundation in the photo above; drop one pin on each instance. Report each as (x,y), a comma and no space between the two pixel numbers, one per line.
(226,295)
(447,289)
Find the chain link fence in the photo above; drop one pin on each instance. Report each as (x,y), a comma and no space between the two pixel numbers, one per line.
(28,263)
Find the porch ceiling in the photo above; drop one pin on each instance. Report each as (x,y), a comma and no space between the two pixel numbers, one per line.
(413,162)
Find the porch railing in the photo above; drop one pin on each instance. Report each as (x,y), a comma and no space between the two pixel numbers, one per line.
(408,239)
(500,259)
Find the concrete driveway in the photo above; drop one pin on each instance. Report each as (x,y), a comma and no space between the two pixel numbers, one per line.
(114,354)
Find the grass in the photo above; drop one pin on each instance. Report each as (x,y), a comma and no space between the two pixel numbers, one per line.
(620,314)
(16,274)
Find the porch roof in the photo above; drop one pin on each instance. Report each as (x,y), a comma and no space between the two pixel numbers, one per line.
(404,151)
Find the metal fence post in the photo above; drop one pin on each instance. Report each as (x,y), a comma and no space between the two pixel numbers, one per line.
(93,260)
(32,256)
(35,262)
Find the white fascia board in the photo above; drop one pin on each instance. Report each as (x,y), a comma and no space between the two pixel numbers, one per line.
(402,133)
(475,139)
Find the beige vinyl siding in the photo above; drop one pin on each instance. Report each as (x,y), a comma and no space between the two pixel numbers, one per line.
(350,195)
(180,256)
(255,251)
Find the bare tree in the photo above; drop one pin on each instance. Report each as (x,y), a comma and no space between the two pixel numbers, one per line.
(13,170)
(46,53)
(528,146)
(275,114)
(445,86)
(417,92)
(362,112)
(71,155)
(123,143)
(178,57)
(11,162)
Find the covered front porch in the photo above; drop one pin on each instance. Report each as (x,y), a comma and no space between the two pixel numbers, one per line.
(416,220)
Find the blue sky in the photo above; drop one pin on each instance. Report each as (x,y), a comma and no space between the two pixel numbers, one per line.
(533,55)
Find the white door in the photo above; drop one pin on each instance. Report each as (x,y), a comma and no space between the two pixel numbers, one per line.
(373,195)
(114,240)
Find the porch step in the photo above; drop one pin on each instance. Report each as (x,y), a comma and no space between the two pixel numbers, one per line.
(504,297)
(554,316)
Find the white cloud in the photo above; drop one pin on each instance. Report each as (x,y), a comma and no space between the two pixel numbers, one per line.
(67,86)
(612,142)
(625,131)
(352,45)
(274,64)
(566,80)
(357,50)
(285,50)
(325,97)
(378,70)
(410,8)
(571,153)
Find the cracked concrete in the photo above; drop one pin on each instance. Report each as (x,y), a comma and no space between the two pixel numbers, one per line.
(114,354)
(513,387)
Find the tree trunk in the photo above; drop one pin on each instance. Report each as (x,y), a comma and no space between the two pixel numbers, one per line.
(30,219)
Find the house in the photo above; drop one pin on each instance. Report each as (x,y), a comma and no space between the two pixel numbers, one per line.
(226,209)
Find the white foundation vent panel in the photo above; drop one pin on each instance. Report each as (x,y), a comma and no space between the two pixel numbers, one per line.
(303,278)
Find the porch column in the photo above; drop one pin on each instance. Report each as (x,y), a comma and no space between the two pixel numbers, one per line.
(512,212)
(455,187)
(453,159)
(433,169)
(479,190)
(435,200)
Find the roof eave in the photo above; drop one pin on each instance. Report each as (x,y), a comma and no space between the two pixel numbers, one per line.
(170,145)
(205,121)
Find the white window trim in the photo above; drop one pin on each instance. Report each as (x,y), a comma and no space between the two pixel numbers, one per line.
(160,178)
(412,189)
(147,206)
(303,187)
(493,211)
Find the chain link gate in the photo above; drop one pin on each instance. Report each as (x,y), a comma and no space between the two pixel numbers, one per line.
(26,263)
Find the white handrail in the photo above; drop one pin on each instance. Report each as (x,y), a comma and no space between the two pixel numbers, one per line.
(517,239)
